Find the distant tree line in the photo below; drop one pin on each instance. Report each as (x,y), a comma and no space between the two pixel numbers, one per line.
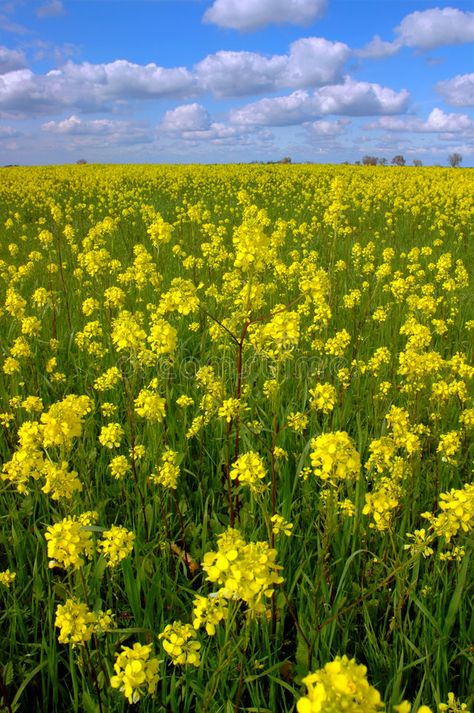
(454,160)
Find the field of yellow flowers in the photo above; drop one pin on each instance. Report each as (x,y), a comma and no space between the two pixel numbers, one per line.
(237,420)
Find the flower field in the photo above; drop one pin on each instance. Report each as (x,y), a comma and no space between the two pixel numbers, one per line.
(236,418)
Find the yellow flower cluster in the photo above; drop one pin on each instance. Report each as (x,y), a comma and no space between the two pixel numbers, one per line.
(162,337)
(209,611)
(77,623)
(150,405)
(136,672)
(340,686)
(168,472)
(111,435)
(280,525)
(59,481)
(179,642)
(119,467)
(69,541)
(334,457)
(127,332)
(323,398)
(245,571)
(457,514)
(63,420)
(116,544)
(249,469)
(7,577)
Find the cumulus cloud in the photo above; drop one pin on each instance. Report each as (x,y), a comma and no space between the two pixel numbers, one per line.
(187,117)
(378,48)
(239,73)
(249,15)
(310,62)
(436,27)
(326,129)
(350,98)
(192,123)
(10,60)
(425,30)
(123,79)
(437,122)
(106,131)
(458,91)
(89,87)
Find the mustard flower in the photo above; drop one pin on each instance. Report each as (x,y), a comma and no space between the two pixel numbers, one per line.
(75,621)
(179,643)
(150,405)
(136,672)
(59,481)
(168,472)
(323,398)
(340,685)
(69,541)
(280,525)
(249,469)
(119,467)
(334,457)
(111,435)
(7,577)
(209,611)
(116,544)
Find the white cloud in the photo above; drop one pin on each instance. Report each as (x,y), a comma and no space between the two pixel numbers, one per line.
(378,48)
(437,122)
(327,129)
(187,117)
(436,27)
(458,91)
(10,60)
(239,73)
(90,87)
(249,15)
(314,61)
(350,98)
(361,99)
(310,62)
(425,29)
(192,123)
(53,8)
(296,108)
(123,79)
(100,132)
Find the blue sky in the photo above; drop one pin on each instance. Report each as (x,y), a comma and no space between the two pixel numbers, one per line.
(235,80)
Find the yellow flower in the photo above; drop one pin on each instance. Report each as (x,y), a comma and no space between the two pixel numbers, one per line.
(179,643)
(75,621)
(334,457)
(69,541)
(340,686)
(116,544)
(249,469)
(111,435)
(136,672)
(150,405)
(323,398)
(7,577)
